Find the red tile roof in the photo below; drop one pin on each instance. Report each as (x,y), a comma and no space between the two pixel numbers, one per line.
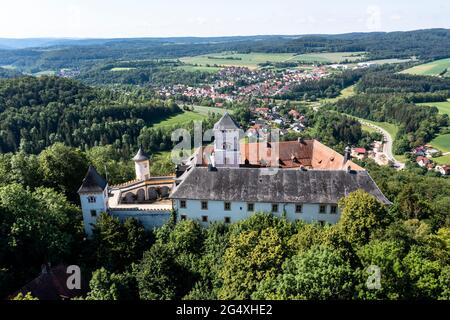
(291,154)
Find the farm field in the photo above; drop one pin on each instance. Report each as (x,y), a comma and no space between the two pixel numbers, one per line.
(328,57)
(444,107)
(442,142)
(433,68)
(442,160)
(252,60)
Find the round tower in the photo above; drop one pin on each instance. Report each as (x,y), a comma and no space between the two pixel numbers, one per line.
(142,165)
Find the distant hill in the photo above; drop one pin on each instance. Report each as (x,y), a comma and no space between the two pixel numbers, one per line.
(28,54)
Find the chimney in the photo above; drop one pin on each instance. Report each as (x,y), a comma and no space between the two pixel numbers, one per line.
(347,154)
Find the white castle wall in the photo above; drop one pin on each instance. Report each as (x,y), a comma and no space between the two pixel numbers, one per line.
(149,219)
(216,211)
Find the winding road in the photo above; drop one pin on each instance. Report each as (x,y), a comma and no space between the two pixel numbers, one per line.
(387,147)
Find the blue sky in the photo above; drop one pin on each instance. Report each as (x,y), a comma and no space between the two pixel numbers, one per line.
(153,18)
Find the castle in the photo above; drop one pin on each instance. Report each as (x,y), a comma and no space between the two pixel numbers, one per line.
(230,180)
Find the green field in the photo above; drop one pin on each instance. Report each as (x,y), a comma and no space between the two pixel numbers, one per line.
(199,113)
(442,160)
(328,57)
(252,60)
(179,119)
(444,107)
(392,129)
(442,142)
(205,110)
(433,68)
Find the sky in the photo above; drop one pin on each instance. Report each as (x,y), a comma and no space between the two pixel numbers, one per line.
(170,18)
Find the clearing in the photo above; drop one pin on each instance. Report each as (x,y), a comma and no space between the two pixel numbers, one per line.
(442,142)
(252,60)
(433,68)
(199,113)
(443,107)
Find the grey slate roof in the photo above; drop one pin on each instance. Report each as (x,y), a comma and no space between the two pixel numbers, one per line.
(226,123)
(92,182)
(287,185)
(140,156)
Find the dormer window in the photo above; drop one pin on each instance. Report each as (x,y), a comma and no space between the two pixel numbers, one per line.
(92,199)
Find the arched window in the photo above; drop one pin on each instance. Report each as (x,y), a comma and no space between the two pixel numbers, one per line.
(92,199)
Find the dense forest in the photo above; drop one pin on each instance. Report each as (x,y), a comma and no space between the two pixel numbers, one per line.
(37,112)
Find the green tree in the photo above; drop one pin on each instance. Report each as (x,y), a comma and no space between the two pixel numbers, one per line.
(318,273)
(361,214)
(63,168)
(158,275)
(116,244)
(111,286)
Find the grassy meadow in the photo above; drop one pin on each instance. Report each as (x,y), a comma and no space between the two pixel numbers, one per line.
(252,60)
(433,68)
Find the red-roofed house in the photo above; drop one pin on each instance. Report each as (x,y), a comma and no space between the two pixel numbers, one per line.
(444,169)
(359,153)
(423,161)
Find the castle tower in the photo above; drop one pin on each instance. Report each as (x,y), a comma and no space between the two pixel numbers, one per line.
(142,165)
(226,144)
(94,198)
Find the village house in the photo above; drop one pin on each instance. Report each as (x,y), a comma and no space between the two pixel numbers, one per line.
(424,162)
(443,169)
(359,153)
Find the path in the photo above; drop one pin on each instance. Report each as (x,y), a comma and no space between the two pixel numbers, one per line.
(387,147)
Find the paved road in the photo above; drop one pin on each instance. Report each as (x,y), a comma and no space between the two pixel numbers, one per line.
(388,141)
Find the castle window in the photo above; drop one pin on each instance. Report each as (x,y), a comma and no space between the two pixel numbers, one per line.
(227,220)
(250,207)
(274,207)
(92,199)
(298,208)
(227,206)
(93,213)
(204,205)
(333,209)
(322,208)
(183,217)
(183,204)
(204,218)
